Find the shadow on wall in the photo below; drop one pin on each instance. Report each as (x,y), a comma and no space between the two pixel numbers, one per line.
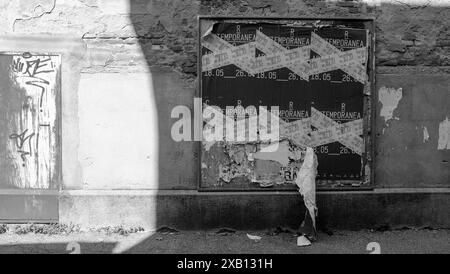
(176,160)
(170,88)
(167,34)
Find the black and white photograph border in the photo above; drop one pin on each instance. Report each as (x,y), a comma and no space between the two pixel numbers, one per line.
(219,127)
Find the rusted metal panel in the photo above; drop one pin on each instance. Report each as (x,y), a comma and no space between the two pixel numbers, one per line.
(29,132)
(318,72)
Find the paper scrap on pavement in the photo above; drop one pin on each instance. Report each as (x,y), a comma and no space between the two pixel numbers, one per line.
(303,241)
(253,237)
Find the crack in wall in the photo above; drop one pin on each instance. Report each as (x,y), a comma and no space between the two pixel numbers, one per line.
(35,16)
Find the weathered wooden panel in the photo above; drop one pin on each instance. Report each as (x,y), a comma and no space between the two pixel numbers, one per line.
(29,131)
(29,90)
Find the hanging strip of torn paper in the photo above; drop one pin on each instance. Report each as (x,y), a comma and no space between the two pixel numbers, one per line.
(306,182)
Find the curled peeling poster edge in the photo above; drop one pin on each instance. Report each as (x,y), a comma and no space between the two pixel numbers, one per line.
(367,90)
(208,28)
(367,174)
(306,182)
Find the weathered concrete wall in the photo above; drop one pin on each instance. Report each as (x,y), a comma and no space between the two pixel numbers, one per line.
(407,147)
(189,209)
(129,62)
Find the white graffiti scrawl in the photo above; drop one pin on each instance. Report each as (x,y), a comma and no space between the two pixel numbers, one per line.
(33,141)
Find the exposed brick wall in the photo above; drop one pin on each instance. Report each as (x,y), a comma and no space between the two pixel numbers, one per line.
(407,35)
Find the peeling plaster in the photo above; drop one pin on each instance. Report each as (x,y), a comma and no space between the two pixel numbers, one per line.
(389,98)
(27,10)
(444,134)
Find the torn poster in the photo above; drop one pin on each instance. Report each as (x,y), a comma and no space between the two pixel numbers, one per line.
(317,77)
(276,56)
(444,134)
(306,182)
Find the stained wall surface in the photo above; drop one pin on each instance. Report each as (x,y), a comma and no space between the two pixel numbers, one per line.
(127,63)
(29,145)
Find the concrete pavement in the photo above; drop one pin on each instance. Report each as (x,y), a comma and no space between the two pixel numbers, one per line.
(211,242)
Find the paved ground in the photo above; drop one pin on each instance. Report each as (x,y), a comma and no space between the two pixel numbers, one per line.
(400,241)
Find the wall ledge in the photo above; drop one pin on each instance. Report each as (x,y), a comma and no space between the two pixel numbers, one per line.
(144,192)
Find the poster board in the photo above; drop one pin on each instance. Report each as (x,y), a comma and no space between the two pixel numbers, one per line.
(317,71)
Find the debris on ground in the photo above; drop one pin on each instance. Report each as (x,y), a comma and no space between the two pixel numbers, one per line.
(402,228)
(266,184)
(279,230)
(199,241)
(64,229)
(123,231)
(166,230)
(303,241)
(225,231)
(428,228)
(253,237)
(47,229)
(327,231)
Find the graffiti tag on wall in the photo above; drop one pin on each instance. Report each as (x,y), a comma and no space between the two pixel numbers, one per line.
(32,136)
